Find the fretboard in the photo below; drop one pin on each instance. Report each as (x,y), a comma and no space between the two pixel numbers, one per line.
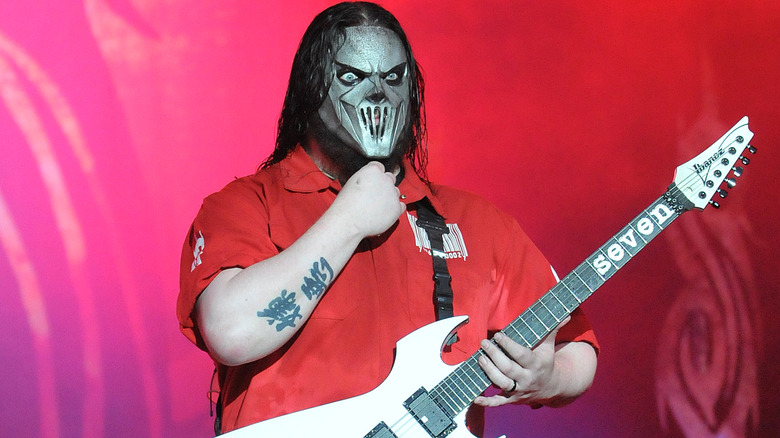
(456,391)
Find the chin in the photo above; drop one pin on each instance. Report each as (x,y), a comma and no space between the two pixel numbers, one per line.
(375,156)
(345,152)
(376,151)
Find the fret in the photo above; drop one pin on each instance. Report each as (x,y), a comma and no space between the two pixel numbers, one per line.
(522,328)
(476,377)
(445,397)
(633,224)
(520,338)
(527,338)
(630,240)
(529,335)
(479,380)
(616,253)
(567,296)
(476,371)
(460,397)
(575,283)
(654,219)
(602,266)
(589,275)
(474,382)
(524,317)
(442,394)
(549,319)
(582,281)
(455,394)
(516,334)
(554,303)
(533,312)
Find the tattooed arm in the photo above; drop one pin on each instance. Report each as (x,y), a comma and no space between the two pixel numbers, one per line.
(246,314)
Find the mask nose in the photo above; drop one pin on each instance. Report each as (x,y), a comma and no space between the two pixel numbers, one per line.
(376,97)
(377,94)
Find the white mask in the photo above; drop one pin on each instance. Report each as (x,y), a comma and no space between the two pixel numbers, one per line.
(368,99)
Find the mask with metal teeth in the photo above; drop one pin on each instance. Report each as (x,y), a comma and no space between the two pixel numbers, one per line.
(368,98)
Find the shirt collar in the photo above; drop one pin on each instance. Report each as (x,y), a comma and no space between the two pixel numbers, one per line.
(413,189)
(300,174)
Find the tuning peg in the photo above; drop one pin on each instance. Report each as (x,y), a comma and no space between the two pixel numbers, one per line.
(722,193)
(714,204)
(745,160)
(751,149)
(737,171)
(731,182)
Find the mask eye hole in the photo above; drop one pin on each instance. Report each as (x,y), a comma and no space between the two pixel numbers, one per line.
(349,78)
(396,75)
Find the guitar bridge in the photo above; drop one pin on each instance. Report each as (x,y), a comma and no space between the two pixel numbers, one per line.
(429,414)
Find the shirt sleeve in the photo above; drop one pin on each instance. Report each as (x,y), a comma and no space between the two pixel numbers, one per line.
(230,230)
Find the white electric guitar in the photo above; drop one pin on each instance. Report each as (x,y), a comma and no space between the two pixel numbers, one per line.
(423,397)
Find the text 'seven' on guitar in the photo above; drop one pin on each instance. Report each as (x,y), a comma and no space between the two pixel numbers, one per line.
(423,397)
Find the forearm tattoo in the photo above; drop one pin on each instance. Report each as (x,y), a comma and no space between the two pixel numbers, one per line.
(284,310)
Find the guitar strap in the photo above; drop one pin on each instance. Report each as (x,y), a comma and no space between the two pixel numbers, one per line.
(435,228)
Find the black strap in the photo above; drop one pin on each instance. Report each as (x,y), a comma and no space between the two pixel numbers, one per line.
(434,226)
(215,405)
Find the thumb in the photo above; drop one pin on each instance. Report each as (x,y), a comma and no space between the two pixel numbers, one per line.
(554,332)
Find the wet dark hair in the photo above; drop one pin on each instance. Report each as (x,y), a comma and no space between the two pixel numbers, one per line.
(309,80)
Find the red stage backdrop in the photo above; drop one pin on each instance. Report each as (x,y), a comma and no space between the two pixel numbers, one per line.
(118,116)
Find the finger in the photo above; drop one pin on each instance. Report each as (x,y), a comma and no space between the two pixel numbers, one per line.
(550,338)
(492,401)
(376,164)
(495,355)
(516,352)
(496,366)
(562,323)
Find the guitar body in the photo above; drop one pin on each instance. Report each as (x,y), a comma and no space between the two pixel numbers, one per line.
(417,364)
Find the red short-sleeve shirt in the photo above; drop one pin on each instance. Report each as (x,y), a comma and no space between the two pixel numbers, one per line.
(383,293)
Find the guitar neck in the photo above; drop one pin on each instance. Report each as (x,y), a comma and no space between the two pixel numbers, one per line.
(456,392)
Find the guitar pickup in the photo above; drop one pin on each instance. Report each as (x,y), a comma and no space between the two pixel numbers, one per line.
(429,414)
(381,431)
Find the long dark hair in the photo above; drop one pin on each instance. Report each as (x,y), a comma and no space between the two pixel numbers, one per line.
(309,85)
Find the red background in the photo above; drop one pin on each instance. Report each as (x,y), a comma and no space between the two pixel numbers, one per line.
(118,116)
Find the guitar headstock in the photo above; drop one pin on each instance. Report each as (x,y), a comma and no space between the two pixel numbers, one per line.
(699,179)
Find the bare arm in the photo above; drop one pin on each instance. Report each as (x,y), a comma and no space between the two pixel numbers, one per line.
(551,375)
(246,314)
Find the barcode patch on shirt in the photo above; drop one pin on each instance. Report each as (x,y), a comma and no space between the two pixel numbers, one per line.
(454,245)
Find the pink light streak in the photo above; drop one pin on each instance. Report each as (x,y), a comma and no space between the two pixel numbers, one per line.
(23,112)
(67,221)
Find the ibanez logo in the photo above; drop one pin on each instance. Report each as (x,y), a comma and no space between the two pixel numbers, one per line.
(703,167)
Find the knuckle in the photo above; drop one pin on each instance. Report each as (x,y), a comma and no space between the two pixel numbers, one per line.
(505,368)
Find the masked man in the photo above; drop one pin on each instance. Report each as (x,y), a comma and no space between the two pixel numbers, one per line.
(299,280)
